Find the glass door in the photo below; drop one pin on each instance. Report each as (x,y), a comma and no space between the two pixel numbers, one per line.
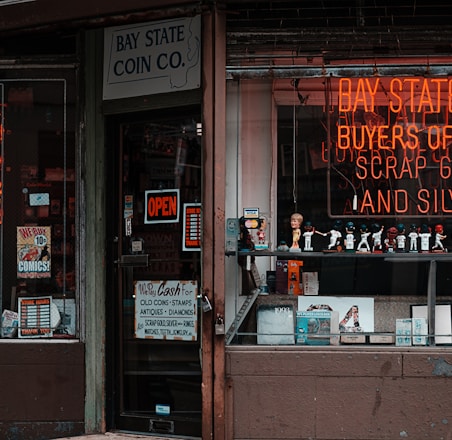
(156,375)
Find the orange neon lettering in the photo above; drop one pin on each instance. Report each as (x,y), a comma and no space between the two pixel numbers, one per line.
(444,169)
(373,92)
(378,175)
(449,97)
(360,96)
(382,203)
(405,169)
(367,202)
(411,82)
(397,135)
(425,99)
(447,135)
(421,163)
(360,166)
(400,194)
(433,140)
(345,86)
(391,164)
(438,82)
(382,137)
(411,133)
(343,132)
(370,134)
(443,202)
(394,84)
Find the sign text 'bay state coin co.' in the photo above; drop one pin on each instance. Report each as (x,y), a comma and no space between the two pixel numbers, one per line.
(162,206)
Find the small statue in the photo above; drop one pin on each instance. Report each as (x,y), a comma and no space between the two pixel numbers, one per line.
(377,232)
(262,234)
(282,246)
(413,236)
(364,239)
(400,238)
(309,231)
(425,235)
(439,237)
(350,237)
(296,219)
(335,237)
(390,240)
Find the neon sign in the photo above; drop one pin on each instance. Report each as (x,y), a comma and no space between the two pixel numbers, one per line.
(391,144)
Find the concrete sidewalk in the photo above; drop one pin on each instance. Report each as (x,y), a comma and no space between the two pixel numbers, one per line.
(116,436)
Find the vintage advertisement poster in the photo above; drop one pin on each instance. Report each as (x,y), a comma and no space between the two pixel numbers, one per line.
(166,310)
(33,251)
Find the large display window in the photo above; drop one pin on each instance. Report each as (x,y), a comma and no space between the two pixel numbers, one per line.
(38,205)
(364,164)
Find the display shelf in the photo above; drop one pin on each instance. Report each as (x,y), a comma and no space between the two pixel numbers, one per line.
(402,265)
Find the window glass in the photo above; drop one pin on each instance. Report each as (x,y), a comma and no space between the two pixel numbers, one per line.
(38,227)
(366,162)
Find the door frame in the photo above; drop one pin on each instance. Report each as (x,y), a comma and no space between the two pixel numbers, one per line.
(117,419)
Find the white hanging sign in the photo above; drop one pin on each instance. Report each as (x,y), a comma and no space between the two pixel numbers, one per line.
(166,310)
(150,58)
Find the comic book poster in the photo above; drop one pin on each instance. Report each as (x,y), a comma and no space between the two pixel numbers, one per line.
(33,251)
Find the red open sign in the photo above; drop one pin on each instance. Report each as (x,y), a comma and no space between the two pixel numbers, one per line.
(162,206)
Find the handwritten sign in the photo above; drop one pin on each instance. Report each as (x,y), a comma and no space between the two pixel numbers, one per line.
(149,58)
(166,310)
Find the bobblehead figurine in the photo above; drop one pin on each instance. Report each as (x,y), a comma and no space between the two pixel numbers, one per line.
(335,237)
(363,245)
(400,238)
(425,235)
(439,237)
(413,236)
(309,231)
(296,219)
(377,232)
(350,237)
(390,240)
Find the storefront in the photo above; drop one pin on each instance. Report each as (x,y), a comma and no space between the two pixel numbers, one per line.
(152,158)
(338,319)
(107,246)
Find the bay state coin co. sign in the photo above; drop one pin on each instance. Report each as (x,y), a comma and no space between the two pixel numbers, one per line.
(166,310)
(149,58)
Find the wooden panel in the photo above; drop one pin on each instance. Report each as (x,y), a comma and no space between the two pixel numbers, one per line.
(42,382)
(301,362)
(292,393)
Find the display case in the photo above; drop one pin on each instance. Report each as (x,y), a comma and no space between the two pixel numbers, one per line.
(364,163)
(385,288)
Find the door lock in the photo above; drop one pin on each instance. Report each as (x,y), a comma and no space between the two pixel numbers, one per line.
(219,325)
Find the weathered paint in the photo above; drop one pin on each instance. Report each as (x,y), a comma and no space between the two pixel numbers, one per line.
(293,393)
(42,390)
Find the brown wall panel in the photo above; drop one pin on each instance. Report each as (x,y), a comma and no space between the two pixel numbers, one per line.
(307,363)
(41,382)
(292,393)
